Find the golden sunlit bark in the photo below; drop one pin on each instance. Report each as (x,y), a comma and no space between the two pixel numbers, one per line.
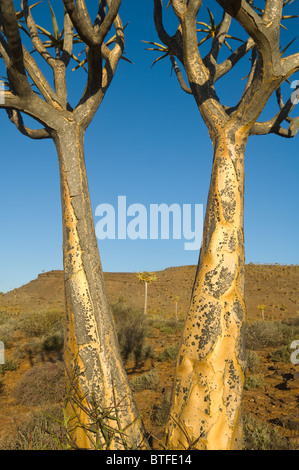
(207,393)
(91,350)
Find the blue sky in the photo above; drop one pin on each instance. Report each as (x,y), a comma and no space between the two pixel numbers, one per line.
(147,142)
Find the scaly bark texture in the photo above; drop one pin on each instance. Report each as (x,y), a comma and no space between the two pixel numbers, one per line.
(211,362)
(207,394)
(91,349)
(98,384)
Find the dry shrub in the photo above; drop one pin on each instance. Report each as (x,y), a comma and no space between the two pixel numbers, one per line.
(131,333)
(41,323)
(42,431)
(262,334)
(42,384)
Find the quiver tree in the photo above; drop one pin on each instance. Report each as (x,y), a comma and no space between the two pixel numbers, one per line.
(175,299)
(209,377)
(92,356)
(146,278)
(262,308)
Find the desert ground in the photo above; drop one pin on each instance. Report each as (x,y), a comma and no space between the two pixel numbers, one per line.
(32,383)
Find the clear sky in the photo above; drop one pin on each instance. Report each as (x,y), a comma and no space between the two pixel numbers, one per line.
(149,143)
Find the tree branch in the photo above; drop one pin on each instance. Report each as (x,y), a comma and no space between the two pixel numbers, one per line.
(98,83)
(219,39)
(80,18)
(290,64)
(68,40)
(35,39)
(16,118)
(273,12)
(259,30)
(273,126)
(105,26)
(80,23)
(233,59)
(13,49)
(172,42)
(179,76)
(39,80)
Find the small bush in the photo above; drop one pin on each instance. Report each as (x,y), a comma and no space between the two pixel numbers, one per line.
(161,410)
(253,381)
(41,323)
(29,349)
(260,436)
(169,354)
(8,326)
(261,334)
(165,325)
(41,432)
(9,365)
(253,360)
(42,384)
(282,354)
(131,333)
(146,381)
(53,342)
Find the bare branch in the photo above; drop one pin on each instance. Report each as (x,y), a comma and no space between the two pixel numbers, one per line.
(39,80)
(233,59)
(274,125)
(172,42)
(80,23)
(290,64)
(179,76)
(258,29)
(273,12)
(219,38)
(68,39)
(36,41)
(99,78)
(104,28)
(13,49)
(16,118)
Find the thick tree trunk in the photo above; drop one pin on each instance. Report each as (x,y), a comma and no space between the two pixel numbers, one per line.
(207,393)
(91,349)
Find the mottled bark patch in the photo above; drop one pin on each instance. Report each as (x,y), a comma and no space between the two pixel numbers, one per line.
(206,329)
(218,281)
(241,347)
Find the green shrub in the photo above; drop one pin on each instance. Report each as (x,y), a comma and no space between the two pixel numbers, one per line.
(253,381)
(260,436)
(282,354)
(8,326)
(261,334)
(53,342)
(42,431)
(42,384)
(41,323)
(146,381)
(253,360)
(161,410)
(9,365)
(170,353)
(131,333)
(165,325)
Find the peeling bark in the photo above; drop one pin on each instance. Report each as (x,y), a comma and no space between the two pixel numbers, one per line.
(207,393)
(91,348)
